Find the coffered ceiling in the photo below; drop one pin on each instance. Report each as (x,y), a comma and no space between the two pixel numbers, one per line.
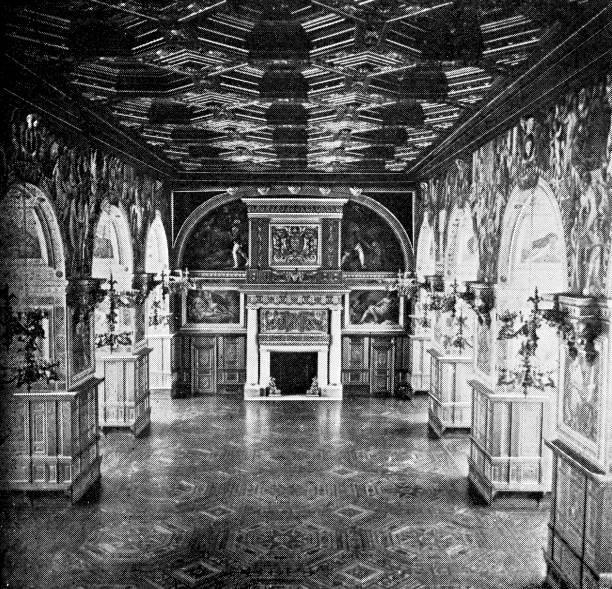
(257,85)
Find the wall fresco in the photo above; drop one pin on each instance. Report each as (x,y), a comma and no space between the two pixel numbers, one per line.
(368,243)
(82,344)
(213,306)
(581,395)
(78,179)
(483,348)
(569,146)
(377,307)
(219,241)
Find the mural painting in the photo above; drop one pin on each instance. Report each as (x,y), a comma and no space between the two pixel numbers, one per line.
(290,321)
(483,347)
(78,178)
(376,307)
(81,338)
(294,245)
(213,306)
(220,240)
(368,243)
(542,250)
(569,146)
(581,395)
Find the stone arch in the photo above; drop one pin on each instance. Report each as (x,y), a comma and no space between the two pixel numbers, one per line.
(426,251)
(113,246)
(43,235)
(533,234)
(227,197)
(461,257)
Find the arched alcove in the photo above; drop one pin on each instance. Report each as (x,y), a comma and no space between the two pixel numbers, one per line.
(532,249)
(157,257)
(532,255)
(113,252)
(426,251)
(112,256)
(157,310)
(30,231)
(461,257)
(33,261)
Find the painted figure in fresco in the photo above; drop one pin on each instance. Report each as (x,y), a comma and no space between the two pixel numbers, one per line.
(237,249)
(356,250)
(380,311)
(204,307)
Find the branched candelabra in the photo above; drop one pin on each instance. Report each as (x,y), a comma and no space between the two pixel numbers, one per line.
(179,281)
(111,339)
(529,376)
(27,328)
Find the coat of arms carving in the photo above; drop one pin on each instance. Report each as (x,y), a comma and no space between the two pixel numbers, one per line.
(294,245)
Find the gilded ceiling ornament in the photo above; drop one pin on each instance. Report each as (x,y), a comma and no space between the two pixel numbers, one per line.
(263,190)
(324,190)
(231,190)
(356,191)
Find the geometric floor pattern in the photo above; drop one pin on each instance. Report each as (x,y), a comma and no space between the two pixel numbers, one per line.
(312,495)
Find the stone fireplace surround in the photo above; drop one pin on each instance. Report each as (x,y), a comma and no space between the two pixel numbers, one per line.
(261,345)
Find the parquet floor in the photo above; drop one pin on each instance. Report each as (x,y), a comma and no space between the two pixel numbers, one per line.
(305,495)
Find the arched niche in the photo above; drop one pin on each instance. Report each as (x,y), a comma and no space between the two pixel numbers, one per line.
(112,255)
(532,255)
(461,257)
(30,234)
(532,250)
(156,261)
(33,264)
(426,251)
(113,252)
(156,253)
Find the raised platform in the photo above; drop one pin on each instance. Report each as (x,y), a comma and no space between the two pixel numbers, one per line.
(293,398)
(329,393)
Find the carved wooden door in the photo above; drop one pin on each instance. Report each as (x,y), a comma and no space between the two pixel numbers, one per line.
(381,367)
(231,364)
(355,371)
(203,368)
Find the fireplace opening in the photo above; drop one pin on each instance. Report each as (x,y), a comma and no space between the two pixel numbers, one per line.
(293,371)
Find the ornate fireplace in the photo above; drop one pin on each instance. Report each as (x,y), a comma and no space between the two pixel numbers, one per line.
(291,271)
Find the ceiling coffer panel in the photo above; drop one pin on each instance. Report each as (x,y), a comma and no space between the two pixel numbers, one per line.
(253,84)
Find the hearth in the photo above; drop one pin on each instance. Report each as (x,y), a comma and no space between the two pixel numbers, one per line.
(293,371)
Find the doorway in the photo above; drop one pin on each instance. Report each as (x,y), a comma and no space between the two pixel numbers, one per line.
(293,371)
